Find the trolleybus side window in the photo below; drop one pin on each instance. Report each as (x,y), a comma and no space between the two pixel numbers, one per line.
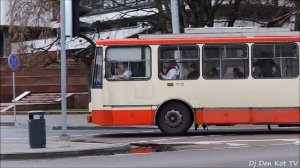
(128,63)
(97,74)
(178,62)
(225,61)
(275,60)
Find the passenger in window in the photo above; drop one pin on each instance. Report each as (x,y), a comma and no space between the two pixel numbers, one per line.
(294,51)
(237,73)
(194,72)
(214,73)
(126,72)
(172,71)
(138,70)
(276,71)
(265,65)
(256,71)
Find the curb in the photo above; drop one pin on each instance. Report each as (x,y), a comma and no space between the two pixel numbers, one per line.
(100,127)
(60,154)
(7,123)
(48,113)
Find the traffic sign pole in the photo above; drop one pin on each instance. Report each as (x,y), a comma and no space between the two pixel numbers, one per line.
(14,96)
(13,63)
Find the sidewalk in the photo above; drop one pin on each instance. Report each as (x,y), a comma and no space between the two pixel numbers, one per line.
(52,120)
(54,112)
(55,148)
(18,149)
(15,148)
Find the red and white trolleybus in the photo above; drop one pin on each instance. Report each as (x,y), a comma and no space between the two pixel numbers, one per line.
(221,79)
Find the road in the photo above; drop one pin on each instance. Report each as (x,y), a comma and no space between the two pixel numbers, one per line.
(237,146)
(270,156)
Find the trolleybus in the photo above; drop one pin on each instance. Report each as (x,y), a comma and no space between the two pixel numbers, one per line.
(221,79)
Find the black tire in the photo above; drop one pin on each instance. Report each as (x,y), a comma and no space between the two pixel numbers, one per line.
(174,119)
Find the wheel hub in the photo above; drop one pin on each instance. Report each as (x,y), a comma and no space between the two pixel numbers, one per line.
(173,118)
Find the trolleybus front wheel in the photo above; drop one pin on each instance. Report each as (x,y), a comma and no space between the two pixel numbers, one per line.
(174,119)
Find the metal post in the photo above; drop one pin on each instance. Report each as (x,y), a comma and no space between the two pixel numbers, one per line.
(175,16)
(175,26)
(64,135)
(14,96)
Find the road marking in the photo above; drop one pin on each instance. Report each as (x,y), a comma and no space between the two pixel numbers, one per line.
(237,147)
(158,140)
(92,134)
(230,141)
(168,139)
(48,137)
(88,157)
(134,132)
(10,138)
(235,144)
(164,139)
(215,135)
(233,147)
(255,128)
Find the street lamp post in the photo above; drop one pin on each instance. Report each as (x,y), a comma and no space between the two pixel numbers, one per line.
(175,16)
(64,135)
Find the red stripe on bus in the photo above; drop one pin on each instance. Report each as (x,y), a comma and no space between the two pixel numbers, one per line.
(228,116)
(196,40)
(202,116)
(276,116)
(248,116)
(123,117)
(199,116)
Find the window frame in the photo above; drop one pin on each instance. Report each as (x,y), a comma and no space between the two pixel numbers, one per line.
(98,58)
(275,58)
(131,78)
(220,60)
(178,45)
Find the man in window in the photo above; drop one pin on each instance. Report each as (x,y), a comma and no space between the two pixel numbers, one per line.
(237,73)
(194,73)
(172,71)
(126,72)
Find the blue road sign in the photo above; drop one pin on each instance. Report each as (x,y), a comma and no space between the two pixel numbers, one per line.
(13,61)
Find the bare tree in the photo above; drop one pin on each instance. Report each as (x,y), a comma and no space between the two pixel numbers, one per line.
(201,13)
(288,10)
(297,16)
(29,19)
(234,12)
(273,13)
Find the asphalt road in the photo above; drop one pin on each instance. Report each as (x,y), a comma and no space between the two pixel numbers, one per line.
(281,155)
(238,146)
